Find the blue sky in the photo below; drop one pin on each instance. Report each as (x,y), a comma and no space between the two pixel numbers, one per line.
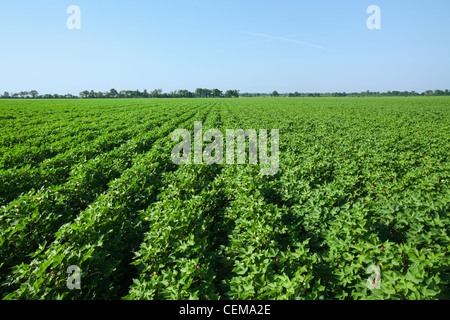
(249,45)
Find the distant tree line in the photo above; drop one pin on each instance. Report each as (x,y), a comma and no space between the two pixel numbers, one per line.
(351,94)
(210,93)
(113,93)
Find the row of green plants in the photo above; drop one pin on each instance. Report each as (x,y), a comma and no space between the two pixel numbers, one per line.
(98,239)
(362,184)
(55,170)
(34,217)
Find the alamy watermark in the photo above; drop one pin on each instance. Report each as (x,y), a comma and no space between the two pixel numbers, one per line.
(374,281)
(74,280)
(374,21)
(74,20)
(213,153)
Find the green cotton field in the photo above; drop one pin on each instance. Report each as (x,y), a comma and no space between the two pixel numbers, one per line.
(359,208)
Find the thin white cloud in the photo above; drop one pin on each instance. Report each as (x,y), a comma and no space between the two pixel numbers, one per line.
(284,39)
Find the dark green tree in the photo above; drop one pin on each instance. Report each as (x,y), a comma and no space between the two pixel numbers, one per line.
(216,93)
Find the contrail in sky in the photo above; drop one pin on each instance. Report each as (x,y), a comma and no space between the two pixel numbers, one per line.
(285,39)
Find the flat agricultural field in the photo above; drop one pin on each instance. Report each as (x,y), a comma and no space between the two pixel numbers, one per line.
(358,206)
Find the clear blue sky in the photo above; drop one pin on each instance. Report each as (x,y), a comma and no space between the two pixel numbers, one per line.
(249,45)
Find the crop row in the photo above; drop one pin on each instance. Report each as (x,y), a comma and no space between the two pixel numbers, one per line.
(103,232)
(362,184)
(34,217)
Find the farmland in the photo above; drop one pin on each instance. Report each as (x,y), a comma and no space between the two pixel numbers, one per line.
(90,183)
